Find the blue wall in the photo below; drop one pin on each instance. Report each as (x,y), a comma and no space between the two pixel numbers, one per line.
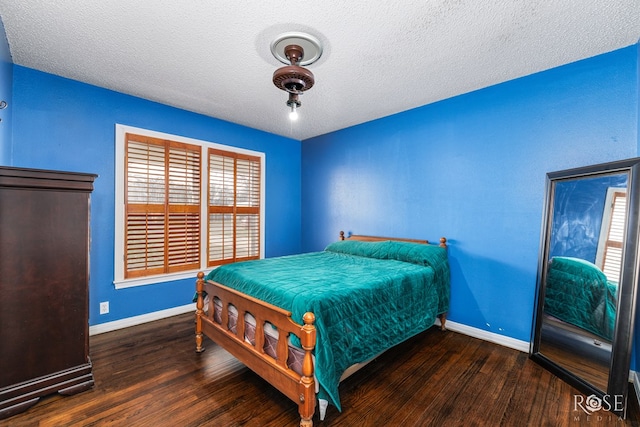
(67,125)
(6,94)
(472,168)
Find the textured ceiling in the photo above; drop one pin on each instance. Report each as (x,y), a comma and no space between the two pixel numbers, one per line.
(379,58)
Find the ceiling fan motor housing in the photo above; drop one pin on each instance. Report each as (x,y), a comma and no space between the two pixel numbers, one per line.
(293,78)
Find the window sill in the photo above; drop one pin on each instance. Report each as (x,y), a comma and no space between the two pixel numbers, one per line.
(161,278)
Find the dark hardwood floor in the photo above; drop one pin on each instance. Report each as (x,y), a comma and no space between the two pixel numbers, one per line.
(149,375)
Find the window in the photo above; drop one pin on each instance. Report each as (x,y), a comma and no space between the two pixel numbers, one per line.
(162,205)
(186,205)
(609,253)
(233,208)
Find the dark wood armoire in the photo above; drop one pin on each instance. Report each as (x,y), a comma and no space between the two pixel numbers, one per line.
(44,275)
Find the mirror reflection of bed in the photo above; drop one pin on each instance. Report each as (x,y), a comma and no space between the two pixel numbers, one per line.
(580,302)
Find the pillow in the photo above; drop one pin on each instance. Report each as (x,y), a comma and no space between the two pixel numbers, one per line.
(582,270)
(359,248)
(415,253)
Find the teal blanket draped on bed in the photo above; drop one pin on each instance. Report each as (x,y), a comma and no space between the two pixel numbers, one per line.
(579,293)
(366,296)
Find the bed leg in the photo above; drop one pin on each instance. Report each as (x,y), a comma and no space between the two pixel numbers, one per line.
(443,320)
(199,312)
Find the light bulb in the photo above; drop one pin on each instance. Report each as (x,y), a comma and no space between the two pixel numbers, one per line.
(293,115)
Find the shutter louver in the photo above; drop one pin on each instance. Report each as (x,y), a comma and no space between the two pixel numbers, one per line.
(248,187)
(184,241)
(247,236)
(145,173)
(145,244)
(183,251)
(184,176)
(221,186)
(220,237)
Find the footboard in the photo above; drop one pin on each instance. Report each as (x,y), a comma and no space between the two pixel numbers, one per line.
(299,388)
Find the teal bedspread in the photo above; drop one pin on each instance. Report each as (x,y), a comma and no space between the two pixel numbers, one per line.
(366,297)
(579,293)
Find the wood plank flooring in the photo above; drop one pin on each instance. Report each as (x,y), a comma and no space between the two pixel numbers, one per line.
(150,375)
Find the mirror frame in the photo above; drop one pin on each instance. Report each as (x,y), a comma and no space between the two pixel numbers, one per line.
(626,305)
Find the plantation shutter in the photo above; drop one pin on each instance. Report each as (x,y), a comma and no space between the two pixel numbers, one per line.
(162,205)
(233,207)
(613,245)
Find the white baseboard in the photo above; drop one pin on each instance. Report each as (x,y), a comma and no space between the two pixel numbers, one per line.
(138,320)
(157,315)
(487,336)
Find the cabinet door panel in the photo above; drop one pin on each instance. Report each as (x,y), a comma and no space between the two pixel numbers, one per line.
(43,286)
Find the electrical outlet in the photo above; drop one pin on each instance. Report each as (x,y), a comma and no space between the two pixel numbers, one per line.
(104,307)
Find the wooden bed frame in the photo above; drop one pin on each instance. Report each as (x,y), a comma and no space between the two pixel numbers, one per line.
(299,388)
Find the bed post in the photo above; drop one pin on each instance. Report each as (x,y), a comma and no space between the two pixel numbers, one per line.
(443,320)
(307,404)
(443,316)
(199,312)
(341,235)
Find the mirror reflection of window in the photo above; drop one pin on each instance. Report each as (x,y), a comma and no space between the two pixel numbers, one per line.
(609,255)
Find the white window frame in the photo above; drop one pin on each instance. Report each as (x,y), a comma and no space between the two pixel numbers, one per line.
(119,268)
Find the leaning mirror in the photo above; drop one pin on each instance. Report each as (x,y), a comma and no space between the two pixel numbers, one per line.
(587,275)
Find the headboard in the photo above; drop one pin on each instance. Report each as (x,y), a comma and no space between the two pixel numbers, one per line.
(443,240)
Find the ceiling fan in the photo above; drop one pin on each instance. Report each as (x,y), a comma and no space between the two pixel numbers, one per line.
(296,49)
